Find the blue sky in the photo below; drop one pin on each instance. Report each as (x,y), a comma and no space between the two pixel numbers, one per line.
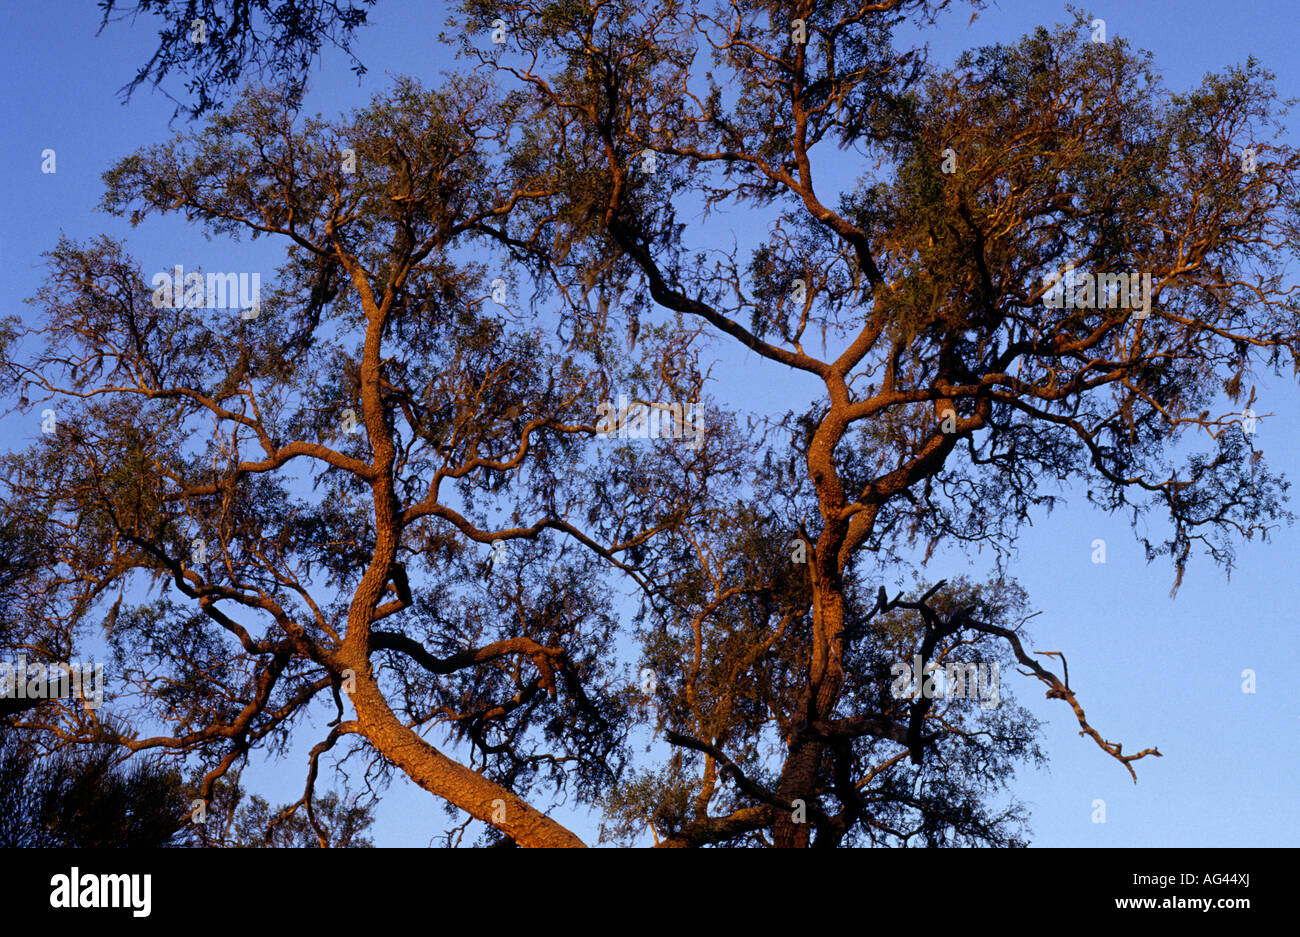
(1150,670)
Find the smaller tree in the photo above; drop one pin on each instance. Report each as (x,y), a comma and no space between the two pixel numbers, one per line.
(85,797)
(89,797)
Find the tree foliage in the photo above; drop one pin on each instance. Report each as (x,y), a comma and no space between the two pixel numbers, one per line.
(453,566)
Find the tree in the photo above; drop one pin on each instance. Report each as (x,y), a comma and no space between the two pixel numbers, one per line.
(959,382)
(86,797)
(963,372)
(406,462)
(83,798)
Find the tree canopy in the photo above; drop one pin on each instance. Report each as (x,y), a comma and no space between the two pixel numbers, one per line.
(392,486)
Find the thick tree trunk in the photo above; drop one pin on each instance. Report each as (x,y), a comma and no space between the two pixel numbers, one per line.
(798,779)
(422,763)
(448,779)
(825,680)
(825,666)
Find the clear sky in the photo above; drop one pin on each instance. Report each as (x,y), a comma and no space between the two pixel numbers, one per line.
(1150,670)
